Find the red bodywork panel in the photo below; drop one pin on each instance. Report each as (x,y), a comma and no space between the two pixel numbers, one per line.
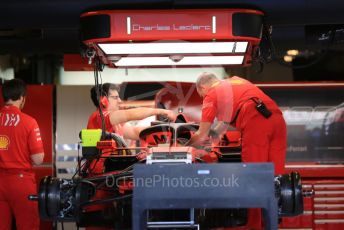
(157,138)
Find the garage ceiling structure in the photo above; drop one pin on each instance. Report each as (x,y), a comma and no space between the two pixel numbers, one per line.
(314,27)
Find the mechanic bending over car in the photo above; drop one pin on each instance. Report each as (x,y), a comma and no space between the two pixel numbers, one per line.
(20,147)
(238,102)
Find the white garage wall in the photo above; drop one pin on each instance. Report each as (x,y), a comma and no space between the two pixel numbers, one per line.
(73,107)
(135,75)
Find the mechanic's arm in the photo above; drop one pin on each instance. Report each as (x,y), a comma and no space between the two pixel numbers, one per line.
(36,145)
(132,132)
(37,158)
(120,116)
(220,128)
(200,135)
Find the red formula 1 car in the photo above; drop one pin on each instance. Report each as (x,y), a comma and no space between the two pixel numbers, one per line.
(161,144)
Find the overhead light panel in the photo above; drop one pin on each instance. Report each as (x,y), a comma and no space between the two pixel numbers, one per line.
(182,61)
(176,37)
(173,48)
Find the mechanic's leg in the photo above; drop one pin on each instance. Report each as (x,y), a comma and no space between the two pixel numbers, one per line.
(278,143)
(6,216)
(255,148)
(255,136)
(25,211)
(5,209)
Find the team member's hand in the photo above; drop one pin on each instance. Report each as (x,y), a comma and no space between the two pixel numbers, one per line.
(215,138)
(169,114)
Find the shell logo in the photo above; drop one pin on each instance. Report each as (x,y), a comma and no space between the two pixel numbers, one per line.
(4,142)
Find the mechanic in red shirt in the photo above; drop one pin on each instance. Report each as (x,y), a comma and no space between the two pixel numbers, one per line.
(237,102)
(116,119)
(20,147)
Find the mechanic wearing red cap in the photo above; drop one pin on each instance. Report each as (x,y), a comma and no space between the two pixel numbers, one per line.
(236,101)
(20,147)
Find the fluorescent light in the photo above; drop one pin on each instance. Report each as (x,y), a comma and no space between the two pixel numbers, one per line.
(185,61)
(240,47)
(128,25)
(172,48)
(214,24)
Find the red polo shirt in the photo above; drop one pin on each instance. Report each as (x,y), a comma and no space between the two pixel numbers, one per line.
(19,139)
(95,122)
(224,100)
